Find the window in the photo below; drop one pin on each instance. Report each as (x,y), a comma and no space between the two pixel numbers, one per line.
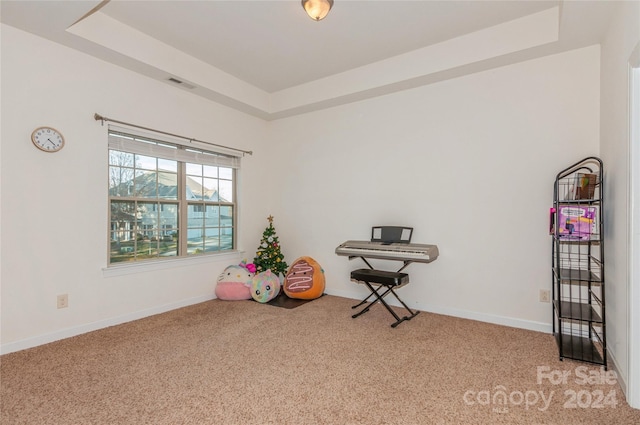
(168,200)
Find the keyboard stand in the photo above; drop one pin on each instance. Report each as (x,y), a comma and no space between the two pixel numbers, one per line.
(379,282)
(382,283)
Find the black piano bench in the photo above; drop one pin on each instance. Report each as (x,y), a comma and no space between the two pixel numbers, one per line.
(379,280)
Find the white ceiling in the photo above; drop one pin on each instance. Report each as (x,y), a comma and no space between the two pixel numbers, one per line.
(269,59)
(273,45)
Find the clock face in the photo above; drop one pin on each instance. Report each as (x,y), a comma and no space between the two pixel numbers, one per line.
(47,139)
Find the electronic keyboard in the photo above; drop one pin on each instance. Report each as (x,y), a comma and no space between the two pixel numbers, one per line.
(422,253)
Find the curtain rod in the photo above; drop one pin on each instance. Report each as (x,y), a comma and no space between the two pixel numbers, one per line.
(99,117)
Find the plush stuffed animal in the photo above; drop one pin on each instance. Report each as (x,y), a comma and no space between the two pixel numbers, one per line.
(304,280)
(265,286)
(234,283)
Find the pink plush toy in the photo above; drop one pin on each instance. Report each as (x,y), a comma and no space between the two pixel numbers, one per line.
(234,283)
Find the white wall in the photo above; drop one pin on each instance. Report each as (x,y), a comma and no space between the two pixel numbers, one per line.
(469,163)
(54,206)
(623,36)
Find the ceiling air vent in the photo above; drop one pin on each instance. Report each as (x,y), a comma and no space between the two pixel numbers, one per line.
(181,83)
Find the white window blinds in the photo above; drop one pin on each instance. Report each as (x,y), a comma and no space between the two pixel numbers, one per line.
(126,140)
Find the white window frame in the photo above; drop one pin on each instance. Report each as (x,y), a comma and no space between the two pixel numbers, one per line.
(633,384)
(165,147)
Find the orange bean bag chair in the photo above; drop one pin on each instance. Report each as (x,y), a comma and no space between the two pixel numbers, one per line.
(304,280)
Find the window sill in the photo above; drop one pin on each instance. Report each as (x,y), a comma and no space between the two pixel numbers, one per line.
(148,266)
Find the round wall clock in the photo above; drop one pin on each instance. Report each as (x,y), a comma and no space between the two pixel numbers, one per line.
(47,139)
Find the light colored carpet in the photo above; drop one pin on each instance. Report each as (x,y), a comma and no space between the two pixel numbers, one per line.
(241,362)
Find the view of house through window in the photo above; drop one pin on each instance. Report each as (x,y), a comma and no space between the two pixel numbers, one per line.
(168,200)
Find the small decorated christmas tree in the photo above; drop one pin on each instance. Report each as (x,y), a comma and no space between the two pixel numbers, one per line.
(268,255)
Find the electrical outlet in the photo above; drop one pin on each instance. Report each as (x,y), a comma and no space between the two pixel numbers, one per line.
(545,296)
(63,301)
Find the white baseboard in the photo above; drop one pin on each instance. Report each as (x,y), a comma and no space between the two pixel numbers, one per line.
(101,324)
(612,364)
(89,327)
(464,314)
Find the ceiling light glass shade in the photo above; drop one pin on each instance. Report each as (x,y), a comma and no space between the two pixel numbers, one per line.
(317,9)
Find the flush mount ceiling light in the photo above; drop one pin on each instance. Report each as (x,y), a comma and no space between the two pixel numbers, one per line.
(317,9)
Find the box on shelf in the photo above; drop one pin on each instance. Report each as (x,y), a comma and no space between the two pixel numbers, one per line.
(578,222)
(585,186)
